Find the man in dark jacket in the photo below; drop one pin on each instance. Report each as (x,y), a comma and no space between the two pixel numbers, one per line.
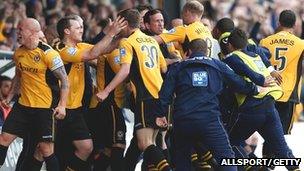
(197,82)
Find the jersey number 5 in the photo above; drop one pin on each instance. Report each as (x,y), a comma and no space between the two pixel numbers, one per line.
(281,58)
(152,55)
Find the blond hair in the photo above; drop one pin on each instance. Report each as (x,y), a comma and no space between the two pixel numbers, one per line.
(194,7)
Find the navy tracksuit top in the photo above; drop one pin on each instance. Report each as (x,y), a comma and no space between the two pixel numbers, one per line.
(196,83)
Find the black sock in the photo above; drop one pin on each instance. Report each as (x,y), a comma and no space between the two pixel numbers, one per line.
(101,162)
(155,156)
(144,166)
(34,164)
(51,163)
(266,150)
(132,155)
(117,159)
(3,152)
(194,159)
(167,155)
(28,149)
(76,163)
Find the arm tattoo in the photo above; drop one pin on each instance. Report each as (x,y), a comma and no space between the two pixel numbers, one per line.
(60,73)
(16,82)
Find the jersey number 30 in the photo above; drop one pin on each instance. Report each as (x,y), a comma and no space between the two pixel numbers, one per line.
(281,58)
(151,54)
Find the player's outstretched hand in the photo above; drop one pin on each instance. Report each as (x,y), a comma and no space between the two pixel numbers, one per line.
(115,27)
(59,112)
(277,76)
(161,122)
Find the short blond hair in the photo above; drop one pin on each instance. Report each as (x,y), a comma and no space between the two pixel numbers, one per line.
(194,7)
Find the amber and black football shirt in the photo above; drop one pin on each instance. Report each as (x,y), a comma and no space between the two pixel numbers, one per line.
(286,50)
(146,59)
(185,34)
(39,87)
(75,67)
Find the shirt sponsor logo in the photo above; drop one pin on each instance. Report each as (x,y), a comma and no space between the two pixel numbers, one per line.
(200,79)
(28,69)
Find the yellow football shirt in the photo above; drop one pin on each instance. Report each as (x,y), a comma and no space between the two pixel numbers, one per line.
(146,59)
(185,34)
(286,50)
(72,58)
(107,66)
(39,87)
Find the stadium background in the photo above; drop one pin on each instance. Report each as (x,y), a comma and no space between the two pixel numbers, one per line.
(257,17)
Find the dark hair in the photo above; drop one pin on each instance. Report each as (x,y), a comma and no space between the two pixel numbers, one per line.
(4,78)
(148,14)
(238,39)
(225,25)
(287,18)
(132,16)
(62,24)
(198,45)
(141,8)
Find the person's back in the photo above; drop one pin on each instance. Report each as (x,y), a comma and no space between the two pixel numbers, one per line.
(286,50)
(198,82)
(146,63)
(143,61)
(287,53)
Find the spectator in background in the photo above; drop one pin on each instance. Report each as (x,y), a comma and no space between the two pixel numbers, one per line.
(5,86)
(258,18)
(12,13)
(5,12)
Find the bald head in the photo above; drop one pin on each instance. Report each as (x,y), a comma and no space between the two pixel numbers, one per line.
(30,23)
(29,32)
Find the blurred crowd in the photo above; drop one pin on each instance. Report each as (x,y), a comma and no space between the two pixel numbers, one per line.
(257,17)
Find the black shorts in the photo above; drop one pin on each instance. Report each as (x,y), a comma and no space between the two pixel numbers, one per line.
(286,111)
(39,122)
(107,125)
(73,126)
(145,114)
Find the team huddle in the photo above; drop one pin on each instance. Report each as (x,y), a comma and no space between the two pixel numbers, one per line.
(193,105)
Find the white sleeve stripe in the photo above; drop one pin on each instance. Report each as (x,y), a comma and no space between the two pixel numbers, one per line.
(56,63)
